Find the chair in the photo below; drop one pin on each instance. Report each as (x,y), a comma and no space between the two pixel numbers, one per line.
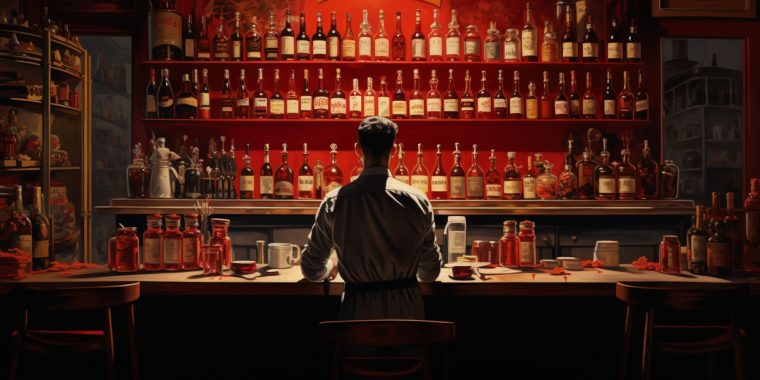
(31,300)
(648,299)
(386,333)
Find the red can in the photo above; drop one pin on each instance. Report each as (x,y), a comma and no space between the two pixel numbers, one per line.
(670,255)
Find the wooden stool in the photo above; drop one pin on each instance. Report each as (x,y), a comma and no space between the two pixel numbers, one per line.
(386,333)
(32,300)
(649,298)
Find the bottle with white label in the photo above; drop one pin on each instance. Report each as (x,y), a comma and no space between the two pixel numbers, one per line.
(513,185)
(492,50)
(493,179)
(529,181)
(453,39)
(435,39)
(561,102)
(333,39)
(419,51)
(420,174)
(439,181)
(266,181)
(271,41)
(451,100)
(457,177)
(242,101)
(19,226)
(604,176)
(696,239)
(398,106)
(291,98)
(416,99)
(151,110)
(305,177)
(614,43)
(382,43)
(348,50)
(338,99)
(321,99)
(455,238)
(475,177)
(303,43)
(641,107)
(287,40)
(237,40)
(191,243)
(165,97)
(402,173)
(383,99)
(283,177)
(467,101)
(500,102)
(609,99)
(260,98)
(171,244)
(590,44)
(368,100)
(633,44)
(355,101)
(626,177)
(365,38)
(433,98)
(588,104)
(305,99)
(276,101)
(152,243)
(246,175)
(529,38)
(527,238)
(485,102)
(531,102)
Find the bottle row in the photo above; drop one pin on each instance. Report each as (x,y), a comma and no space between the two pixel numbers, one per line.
(557,43)
(561,102)
(29,232)
(14,18)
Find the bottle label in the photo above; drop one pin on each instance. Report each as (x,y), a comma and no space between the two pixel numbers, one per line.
(453,46)
(172,251)
(433,105)
(319,47)
(416,107)
(220,52)
(245,102)
(633,50)
(383,106)
(492,51)
(365,46)
(165,29)
(292,106)
(246,183)
(205,99)
(283,188)
(321,103)
(528,43)
(165,102)
(23,242)
(253,48)
(382,48)
(484,105)
(190,250)
(457,188)
(531,109)
(515,106)
(399,108)
(698,248)
(472,47)
(575,107)
(475,186)
(590,50)
(260,103)
(270,43)
(349,48)
(561,107)
(510,51)
(187,101)
(303,47)
(450,105)
(288,45)
(457,242)
(333,46)
(439,183)
(421,183)
(752,224)
(435,47)
(41,249)
(305,183)
(493,190)
(500,103)
(403,178)
(609,107)
(306,103)
(355,103)
(642,105)
(607,185)
(338,106)
(529,187)
(190,48)
(718,255)
(150,103)
(467,104)
(626,185)
(152,251)
(237,49)
(527,253)
(369,106)
(569,50)
(548,52)
(418,48)
(614,50)
(204,113)
(203,54)
(589,107)
(513,187)
(277,107)
(266,184)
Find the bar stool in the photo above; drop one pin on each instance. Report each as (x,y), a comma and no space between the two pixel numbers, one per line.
(647,299)
(383,334)
(32,300)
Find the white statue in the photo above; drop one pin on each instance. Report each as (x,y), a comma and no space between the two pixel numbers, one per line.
(162,175)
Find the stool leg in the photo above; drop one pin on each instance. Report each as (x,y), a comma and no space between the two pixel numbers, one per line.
(646,355)
(626,342)
(22,322)
(132,342)
(711,366)
(108,336)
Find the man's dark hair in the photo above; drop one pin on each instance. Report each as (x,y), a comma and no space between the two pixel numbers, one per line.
(376,136)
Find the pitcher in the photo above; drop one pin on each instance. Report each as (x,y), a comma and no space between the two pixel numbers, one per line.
(163,174)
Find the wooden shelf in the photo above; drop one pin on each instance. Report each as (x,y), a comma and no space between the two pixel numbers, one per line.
(65,109)
(433,123)
(18,169)
(399,64)
(63,73)
(65,168)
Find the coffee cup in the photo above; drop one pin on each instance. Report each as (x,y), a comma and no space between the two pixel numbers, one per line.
(283,255)
(461,271)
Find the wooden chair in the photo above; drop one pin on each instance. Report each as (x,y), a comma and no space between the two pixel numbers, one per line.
(387,333)
(651,298)
(30,301)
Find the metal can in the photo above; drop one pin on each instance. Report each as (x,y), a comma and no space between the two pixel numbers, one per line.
(670,255)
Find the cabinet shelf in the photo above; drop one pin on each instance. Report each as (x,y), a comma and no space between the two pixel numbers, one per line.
(34,105)
(65,168)
(398,64)
(18,169)
(63,73)
(432,123)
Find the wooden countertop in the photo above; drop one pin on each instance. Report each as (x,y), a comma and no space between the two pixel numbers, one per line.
(290,282)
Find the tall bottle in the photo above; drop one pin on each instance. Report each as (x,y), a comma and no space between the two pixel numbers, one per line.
(227,111)
(435,39)
(485,102)
(398,106)
(492,51)
(585,169)
(260,98)
(247,176)
(165,97)
(734,233)
(626,101)
(187,104)
(237,40)
(398,47)
(276,101)
(242,102)
(338,99)
(467,102)
(348,51)
(547,103)
(19,227)
(152,244)
(355,101)
(453,39)
(191,243)
(333,39)
(615,51)
(457,178)
(383,99)
(402,172)
(719,260)
(291,98)
(305,177)
(433,98)
(626,177)
(569,40)
(549,47)
(416,99)
(604,176)
(451,100)
(287,40)
(151,107)
(204,42)
(305,100)
(171,245)
(369,103)
(439,184)
(321,100)
(588,104)
(303,43)
(509,245)
(575,100)
(382,43)
(333,176)
(420,174)
(271,41)
(253,42)
(696,239)
(188,40)
(475,177)
(472,44)
(529,36)
(283,177)
(561,102)
(633,44)
(419,50)
(752,227)
(221,44)
(493,179)
(641,106)
(204,98)
(165,32)
(266,181)
(512,180)
(529,181)
(609,99)
(590,44)
(647,170)
(531,102)
(365,38)
(567,183)
(41,256)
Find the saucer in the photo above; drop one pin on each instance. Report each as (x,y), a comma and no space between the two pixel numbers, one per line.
(463,278)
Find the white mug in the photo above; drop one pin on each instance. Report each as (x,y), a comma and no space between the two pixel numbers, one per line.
(283,255)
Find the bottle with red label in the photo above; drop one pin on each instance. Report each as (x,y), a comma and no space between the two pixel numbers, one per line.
(670,252)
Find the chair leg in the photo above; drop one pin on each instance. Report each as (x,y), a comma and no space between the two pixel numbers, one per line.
(738,358)
(646,355)
(426,363)
(22,322)
(108,336)
(337,363)
(132,342)
(711,366)
(626,342)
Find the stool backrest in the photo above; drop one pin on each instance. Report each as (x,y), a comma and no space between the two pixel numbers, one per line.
(387,332)
(682,296)
(76,298)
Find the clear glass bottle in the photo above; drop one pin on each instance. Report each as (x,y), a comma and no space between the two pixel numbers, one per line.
(467,101)
(626,177)
(369,102)
(418,48)
(271,41)
(348,51)
(319,180)
(669,174)
(433,98)
(355,101)
(475,177)
(512,45)
(509,245)
(647,171)
(291,98)
(276,101)
(152,244)
(546,183)
(604,176)
(420,174)
(398,49)
(453,39)
(568,183)
(472,44)
(512,178)
(402,172)
(191,243)
(435,39)
(493,179)
(383,99)
(305,100)
(171,244)
(283,177)
(492,51)
(416,99)
(253,41)
(382,43)
(219,228)
(365,38)
(305,177)
(527,238)
(549,47)
(359,167)
(333,176)
(338,99)
(439,181)
(457,178)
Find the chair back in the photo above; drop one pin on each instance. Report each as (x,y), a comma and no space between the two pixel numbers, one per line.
(682,296)
(89,297)
(387,332)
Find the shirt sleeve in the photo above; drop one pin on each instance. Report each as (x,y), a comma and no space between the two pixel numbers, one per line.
(315,262)
(430,259)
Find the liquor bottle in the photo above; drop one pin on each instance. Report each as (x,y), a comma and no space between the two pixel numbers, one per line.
(472,50)
(383,99)
(359,167)
(191,243)
(713,213)
(527,238)
(451,100)
(237,40)
(398,47)
(19,228)
(420,174)
(171,244)
(549,47)
(633,44)
(194,90)
(529,181)
(402,173)
(165,31)
(485,103)
(610,109)
(355,101)
(547,103)
(204,42)
(588,107)
(615,52)
(752,228)
(242,102)
(40,238)
(453,39)
(382,43)
(246,175)
(561,102)
(398,106)
(734,233)
(260,98)
(418,50)
(719,260)
(493,179)
(291,98)
(669,180)
(287,40)
(696,239)
(433,98)
(305,100)
(152,244)
(271,41)
(321,101)
(546,183)
(512,180)
(529,37)
(276,101)
(221,44)
(188,40)
(492,51)
(585,169)
(475,177)
(303,43)
(333,39)
(365,38)
(604,176)
(204,98)
(512,46)
(338,99)
(531,102)
(538,162)
(457,178)
(641,110)
(319,180)
(266,181)
(575,100)
(348,51)
(187,104)
(305,177)
(626,177)
(569,40)
(509,245)
(567,183)
(283,177)
(590,45)
(165,97)
(626,101)
(253,42)
(333,176)
(435,39)
(439,181)
(646,175)
(151,111)
(416,99)
(227,103)
(319,41)
(368,100)
(467,102)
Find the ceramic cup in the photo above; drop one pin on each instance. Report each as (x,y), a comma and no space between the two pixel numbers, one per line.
(461,271)
(283,255)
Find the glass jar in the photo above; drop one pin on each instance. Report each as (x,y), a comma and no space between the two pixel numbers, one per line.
(191,243)
(480,250)
(472,51)
(193,188)
(171,245)
(546,183)
(527,238)
(493,253)
(509,245)
(670,255)
(124,250)
(212,263)
(455,238)
(512,45)
(669,180)
(138,176)
(568,183)
(492,51)
(152,243)
(219,237)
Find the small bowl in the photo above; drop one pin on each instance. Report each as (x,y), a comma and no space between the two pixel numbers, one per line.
(549,263)
(243,266)
(461,271)
(571,263)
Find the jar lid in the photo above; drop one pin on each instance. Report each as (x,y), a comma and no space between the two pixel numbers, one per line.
(226,222)
(527,224)
(127,229)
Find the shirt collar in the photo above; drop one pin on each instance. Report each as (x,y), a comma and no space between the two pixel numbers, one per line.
(376,170)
